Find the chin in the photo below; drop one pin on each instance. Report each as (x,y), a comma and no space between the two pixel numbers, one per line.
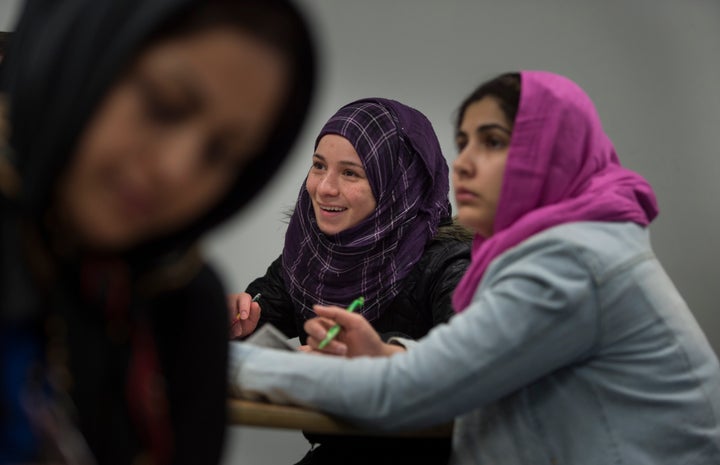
(109,238)
(328,231)
(468,221)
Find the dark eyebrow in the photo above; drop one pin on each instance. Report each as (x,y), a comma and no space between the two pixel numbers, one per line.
(345,163)
(180,80)
(486,128)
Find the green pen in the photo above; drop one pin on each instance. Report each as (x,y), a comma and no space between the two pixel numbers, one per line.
(332,332)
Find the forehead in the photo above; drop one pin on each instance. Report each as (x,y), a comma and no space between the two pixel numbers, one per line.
(484,111)
(335,145)
(239,79)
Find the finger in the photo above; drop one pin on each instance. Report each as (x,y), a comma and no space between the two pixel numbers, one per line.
(321,322)
(232,303)
(309,350)
(246,326)
(318,327)
(244,304)
(235,329)
(339,315)
(232,298)
(254,315)
(335,347)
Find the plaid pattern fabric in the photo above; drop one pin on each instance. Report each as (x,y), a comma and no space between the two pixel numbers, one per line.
(408,176)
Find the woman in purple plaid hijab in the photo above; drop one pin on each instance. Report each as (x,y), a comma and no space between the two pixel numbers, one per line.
(408,179)
(372,219)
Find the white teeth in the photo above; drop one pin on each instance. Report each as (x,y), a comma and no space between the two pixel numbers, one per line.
(333,209)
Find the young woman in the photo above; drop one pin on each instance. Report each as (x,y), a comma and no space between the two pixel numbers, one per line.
(372,220)
(571,345)
(134,126)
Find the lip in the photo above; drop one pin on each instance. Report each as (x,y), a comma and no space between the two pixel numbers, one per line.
(321,209)
(463,195)
(134,203)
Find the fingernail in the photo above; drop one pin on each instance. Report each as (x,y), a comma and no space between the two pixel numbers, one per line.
(243,315)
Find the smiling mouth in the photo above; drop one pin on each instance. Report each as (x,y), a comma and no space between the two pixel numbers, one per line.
(333,209)
(133,203)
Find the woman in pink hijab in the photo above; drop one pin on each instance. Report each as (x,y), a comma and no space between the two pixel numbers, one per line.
(571,344)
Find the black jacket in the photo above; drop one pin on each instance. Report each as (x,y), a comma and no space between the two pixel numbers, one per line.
(423,302)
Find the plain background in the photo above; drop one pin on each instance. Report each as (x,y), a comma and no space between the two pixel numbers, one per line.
(651,66)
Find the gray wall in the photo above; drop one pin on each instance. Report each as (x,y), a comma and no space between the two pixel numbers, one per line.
(651,66)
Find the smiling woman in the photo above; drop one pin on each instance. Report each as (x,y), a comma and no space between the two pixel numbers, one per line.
(170,137)
(166,118)
(338,186)
(372,220)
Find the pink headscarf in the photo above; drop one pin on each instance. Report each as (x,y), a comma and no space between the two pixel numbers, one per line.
(561,168)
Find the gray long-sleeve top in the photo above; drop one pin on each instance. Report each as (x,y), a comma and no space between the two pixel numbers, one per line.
(577,348)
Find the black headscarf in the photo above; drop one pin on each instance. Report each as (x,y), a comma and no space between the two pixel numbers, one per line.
(63,58)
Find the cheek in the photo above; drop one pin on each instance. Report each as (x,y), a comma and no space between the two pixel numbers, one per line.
(116,126)
(371,201)
(108,146)
(85,206)
(310,186)
(364,199)
(497,181)
(94,167)
(189,203)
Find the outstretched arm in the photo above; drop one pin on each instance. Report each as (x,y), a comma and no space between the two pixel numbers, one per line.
(530,320)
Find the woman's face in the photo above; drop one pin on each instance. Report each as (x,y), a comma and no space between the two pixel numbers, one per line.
(170,137)
(338,186)
(483,140)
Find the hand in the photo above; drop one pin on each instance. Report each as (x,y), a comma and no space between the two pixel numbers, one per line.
(243,313)
(356,337)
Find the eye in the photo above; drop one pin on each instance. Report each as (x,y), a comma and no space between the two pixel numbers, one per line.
(494,142)
(159,106)
(350,173)
(460,143)
(316,165)
(218,154)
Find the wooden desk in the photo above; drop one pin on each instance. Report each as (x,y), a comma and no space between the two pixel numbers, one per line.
(251,413)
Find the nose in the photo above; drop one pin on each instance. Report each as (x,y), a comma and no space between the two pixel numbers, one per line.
(462,165)
(328,185)
(176,158)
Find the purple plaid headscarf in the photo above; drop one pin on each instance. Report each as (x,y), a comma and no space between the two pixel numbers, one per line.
(408,176)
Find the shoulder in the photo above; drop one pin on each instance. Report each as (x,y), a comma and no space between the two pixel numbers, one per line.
(441,253)
(202,281)
(598,236)
(452,242)
(206,280)
(199,300)
(445,258)
(453,232)
(601,248)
